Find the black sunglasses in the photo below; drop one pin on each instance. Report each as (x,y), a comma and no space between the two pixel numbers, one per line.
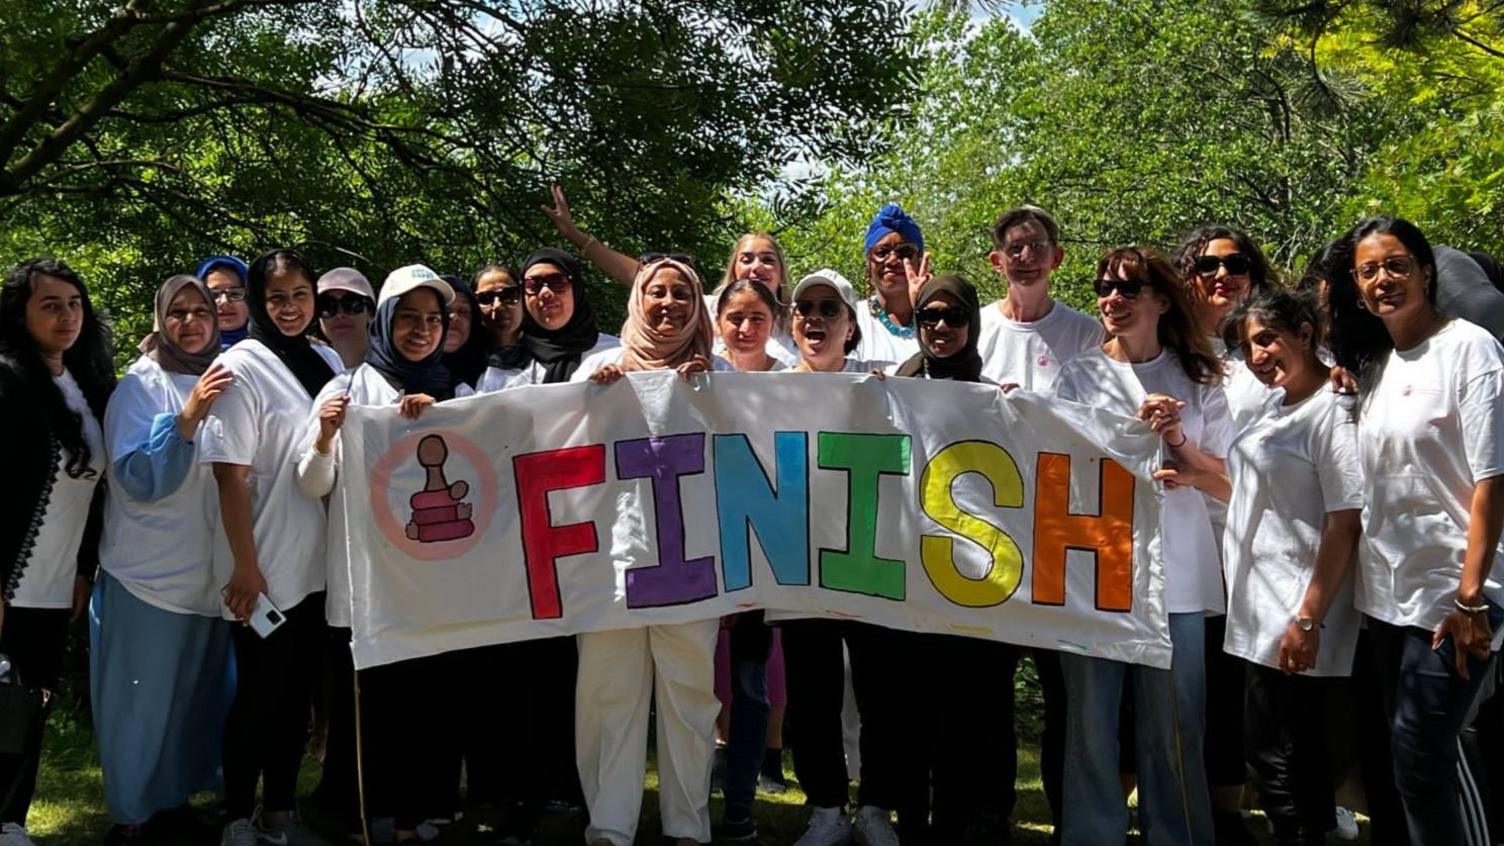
(1126,288)
(1236,264)
(905,252)
(329,305)
(682,258)
(507,296)
(954,317)
(556,282)
(827,309)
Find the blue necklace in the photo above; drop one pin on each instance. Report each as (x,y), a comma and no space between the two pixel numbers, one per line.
(882,317)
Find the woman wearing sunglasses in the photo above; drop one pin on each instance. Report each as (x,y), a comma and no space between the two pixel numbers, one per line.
(558,326)
(1157,366)
(755,255)
(667,328)
(1431,442)
(500,296)
(345,306)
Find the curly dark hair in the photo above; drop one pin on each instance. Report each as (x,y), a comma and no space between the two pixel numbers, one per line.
(1261,274)
(89,360)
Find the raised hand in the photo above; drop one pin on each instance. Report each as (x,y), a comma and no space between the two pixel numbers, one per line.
(917,276)
(559,214)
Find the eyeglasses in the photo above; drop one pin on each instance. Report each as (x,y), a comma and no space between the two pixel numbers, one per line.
(1016,249)
(229,295)
(682,258)
(905,252)
(1236,264)
(508,296)
(329,305)
(953,316)
(556,282)
(828,309)
(1398,267)
(1126,288)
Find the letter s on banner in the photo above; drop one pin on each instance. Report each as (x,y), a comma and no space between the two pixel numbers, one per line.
(938,551)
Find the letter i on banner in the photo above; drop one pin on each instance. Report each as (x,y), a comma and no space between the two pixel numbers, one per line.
(543,543)
(865,458)
(938,551)
(674,581)
(747,502)
(1108,534)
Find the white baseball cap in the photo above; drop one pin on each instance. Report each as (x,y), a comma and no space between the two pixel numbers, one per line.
(830,278)
(412,277)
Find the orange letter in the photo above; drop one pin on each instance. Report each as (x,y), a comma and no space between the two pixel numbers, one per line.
(1109,535)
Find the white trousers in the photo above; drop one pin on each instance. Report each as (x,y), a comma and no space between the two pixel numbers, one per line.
(620,671)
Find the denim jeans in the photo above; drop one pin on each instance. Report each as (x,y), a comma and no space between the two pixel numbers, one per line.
(1169,719)
(751,644)
(1427,705)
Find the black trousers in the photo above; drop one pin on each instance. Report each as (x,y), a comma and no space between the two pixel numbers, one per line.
(338,791)
(814,674)
(405,709)
(34,639)
(1288,758)
(267,726)
(1223,751)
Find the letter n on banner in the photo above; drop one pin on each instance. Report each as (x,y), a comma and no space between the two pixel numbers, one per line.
(747,502)
(674,581)
(543,543)
(865,458)
(1108,534)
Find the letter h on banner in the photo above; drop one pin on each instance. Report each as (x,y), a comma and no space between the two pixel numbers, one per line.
(1108,535)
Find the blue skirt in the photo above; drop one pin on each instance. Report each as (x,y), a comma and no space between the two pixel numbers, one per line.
(161,684)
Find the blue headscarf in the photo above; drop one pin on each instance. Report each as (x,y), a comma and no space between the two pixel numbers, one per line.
(428,376)
(227,337)
(891,218)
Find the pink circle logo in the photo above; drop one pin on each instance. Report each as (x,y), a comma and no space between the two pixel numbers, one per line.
(440,520)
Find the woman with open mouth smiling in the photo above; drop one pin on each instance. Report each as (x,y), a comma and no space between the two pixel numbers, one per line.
(1156,365)
(1430,575)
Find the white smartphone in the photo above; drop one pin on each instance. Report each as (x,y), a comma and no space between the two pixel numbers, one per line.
(266,617)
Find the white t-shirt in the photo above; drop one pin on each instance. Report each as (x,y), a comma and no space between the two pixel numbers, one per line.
(261,421)
(596,360)
(497,379)
(877,343)
(1029,355)
(1430,430)
(780,345)
(47,580)
(162,551)
(1289,467)
(1246,402)
(1193,570)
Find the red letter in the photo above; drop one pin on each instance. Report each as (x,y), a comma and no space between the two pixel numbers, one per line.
(543,543)
(1109,535)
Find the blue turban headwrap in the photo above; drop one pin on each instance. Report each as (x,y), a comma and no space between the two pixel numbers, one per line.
(891,218)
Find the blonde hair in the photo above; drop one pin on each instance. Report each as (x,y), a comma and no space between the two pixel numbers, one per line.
(780,291)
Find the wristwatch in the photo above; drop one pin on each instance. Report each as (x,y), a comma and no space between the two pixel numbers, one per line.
(1305,624)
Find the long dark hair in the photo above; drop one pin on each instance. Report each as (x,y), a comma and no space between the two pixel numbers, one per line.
(1359,340)
(1178,328)
(89,360)
(1261,274)
(1282,311)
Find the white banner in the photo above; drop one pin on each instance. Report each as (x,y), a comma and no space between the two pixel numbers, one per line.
(927,506)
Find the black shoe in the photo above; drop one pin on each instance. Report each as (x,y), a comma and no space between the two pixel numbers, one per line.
(1231,829)
(128,835)
(737,827)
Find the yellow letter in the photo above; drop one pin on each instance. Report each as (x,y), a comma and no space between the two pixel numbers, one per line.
(935,498)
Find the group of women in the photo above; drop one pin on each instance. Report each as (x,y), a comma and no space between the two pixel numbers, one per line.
(1344,420)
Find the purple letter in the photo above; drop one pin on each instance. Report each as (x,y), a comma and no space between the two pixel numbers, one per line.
(674,581)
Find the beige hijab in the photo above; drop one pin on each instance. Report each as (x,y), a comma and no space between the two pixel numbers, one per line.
(644,347)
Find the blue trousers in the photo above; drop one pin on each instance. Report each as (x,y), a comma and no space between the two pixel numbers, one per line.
(1169,721)
(751,644)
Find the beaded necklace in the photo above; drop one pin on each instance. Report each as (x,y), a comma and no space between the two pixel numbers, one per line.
(882,317)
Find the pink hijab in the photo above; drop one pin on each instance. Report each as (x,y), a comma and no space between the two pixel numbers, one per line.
(644,347)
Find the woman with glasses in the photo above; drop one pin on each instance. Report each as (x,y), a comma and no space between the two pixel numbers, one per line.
(402,369)
(1292,528)
(667,328)
(225,276)
(755,255)
(1431,441)
(253,437)
(345,307)
(1157,366)
(825,309)
(894,250)
(159,654)
(55,380)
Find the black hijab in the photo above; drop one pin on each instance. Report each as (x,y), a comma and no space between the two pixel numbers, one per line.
(559,350)
(307,366)
(428,376)
(469,361)
(964,366)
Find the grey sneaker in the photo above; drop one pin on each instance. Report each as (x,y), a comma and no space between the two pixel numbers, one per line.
(874,827)
(1347,826)
(827,827)
(12,834)
(238,833)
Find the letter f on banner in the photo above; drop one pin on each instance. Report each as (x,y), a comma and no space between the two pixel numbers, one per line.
(1108,534)
(543,543)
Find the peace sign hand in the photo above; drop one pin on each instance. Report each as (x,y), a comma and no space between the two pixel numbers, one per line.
(917,277)
(561,217)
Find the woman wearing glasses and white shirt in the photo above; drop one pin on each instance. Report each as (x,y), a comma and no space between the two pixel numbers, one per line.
(1431,427)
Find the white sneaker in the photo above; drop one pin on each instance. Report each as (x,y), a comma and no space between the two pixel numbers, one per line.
(238,833)
(1347,825)
(874,827)
(12,834)
(827,827)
